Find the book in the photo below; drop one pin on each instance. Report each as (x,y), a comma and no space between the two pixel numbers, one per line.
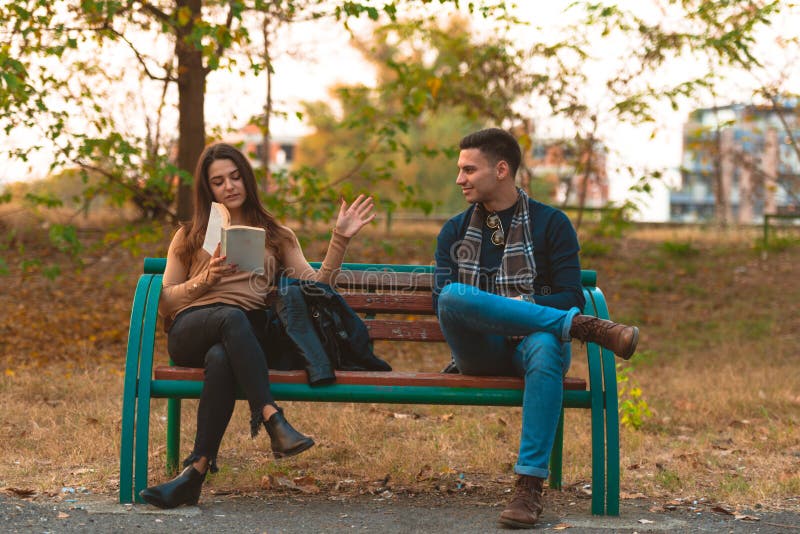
(243,245)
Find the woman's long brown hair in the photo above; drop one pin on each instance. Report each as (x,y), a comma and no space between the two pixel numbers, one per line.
(254,212)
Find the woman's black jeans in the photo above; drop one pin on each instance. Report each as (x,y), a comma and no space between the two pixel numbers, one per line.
(224,340)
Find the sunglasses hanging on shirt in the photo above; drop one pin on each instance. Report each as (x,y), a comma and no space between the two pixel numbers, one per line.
(498,236)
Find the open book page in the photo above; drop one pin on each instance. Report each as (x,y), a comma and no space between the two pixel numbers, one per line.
(218,219)
(244,246)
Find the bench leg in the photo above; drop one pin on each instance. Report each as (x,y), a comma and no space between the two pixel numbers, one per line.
(173,435)
(129,392)
(612,436)
(141,448)
(142,439)
(127,441)
(556,455)
(598,437)
(126,451)
(612,497)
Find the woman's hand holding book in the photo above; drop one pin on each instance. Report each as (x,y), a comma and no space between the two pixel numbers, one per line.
(217,268)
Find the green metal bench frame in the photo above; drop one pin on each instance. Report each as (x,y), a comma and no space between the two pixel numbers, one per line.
(139,388)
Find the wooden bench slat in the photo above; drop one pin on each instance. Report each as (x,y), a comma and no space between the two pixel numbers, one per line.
(411,303)
(394,378)
(386,280)
(404,330)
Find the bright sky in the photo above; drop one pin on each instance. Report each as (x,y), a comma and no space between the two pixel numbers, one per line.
(318,56)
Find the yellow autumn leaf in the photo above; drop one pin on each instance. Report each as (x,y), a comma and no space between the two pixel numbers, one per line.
(434,84)
(9,372)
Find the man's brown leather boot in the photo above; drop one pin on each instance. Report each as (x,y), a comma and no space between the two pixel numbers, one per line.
(526,504)
(618,338)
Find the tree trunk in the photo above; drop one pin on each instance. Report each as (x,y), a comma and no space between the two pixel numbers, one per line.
(717,179)
(191,100)
(267,149)
(746,189)
(588,152)
(726,169)
(771,160)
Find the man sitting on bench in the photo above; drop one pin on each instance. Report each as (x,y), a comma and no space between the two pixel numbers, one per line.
(508,295)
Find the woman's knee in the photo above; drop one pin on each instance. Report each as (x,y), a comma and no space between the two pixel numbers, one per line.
(231,314)
(216,359)
(232,321)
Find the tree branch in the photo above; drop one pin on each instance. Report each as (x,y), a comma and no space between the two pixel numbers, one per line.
(135,190)
(228,24)
(141,59)
(359,164)
(778,111)
(744,160)
(157,13)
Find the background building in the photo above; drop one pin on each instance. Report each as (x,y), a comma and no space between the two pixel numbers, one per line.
(250,139)
(557,166)
(739,162)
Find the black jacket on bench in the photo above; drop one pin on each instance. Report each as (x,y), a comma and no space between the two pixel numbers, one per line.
(311,327)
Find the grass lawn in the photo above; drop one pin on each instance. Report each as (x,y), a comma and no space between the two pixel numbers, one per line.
(718,367)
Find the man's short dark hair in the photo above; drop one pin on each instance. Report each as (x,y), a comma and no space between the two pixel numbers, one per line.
(497,145)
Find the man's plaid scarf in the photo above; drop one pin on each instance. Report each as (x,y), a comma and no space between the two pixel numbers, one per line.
(517,269)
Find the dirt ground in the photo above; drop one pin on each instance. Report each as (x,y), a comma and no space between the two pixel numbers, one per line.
(387,513)
(724,396)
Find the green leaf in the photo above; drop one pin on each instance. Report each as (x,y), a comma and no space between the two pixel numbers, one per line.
(65,238)
(46,200)
(52,271)
(183,15)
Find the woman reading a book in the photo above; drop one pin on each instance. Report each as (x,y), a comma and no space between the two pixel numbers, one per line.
(212,311)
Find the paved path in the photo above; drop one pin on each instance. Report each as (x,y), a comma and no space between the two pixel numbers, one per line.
(397,514)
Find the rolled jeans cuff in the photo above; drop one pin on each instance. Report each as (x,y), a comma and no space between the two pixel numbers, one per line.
(540,472)
(565,336)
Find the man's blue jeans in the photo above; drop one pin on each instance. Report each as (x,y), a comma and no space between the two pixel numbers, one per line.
(477,325)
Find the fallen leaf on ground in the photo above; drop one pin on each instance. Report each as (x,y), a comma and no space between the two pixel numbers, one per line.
(346,482)
(426,473)
(62,515)
(721,510)
(306,484)
(722,444)
(81,471)
(405,415)
(562,526)
(19,492)
(645,521)
(637,495)
(281,482)
(745,517)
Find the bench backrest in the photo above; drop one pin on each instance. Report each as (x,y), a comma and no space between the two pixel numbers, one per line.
(389,289)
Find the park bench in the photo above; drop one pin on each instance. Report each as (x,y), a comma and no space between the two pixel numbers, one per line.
(403,293)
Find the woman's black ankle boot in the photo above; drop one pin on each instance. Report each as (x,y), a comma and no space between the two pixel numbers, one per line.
(286,441)
(183,489)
